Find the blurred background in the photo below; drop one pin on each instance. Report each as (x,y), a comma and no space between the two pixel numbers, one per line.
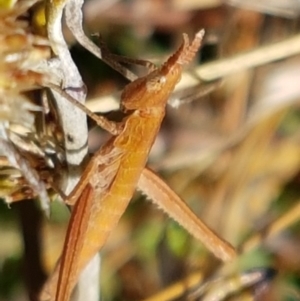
(231,150)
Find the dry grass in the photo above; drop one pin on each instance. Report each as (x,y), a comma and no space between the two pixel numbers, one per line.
(232,155)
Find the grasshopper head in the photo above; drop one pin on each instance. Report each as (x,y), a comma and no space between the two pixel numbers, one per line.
(154,89)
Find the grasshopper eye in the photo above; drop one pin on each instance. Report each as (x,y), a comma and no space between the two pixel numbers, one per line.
(155,83)
(158,80)
(161,80)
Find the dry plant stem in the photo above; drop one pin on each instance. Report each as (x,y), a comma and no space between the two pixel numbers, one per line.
(257,57)
(112,175)
(177,289)
(221,288)
(73,120)
(277,226)
(86,288)
(54,11)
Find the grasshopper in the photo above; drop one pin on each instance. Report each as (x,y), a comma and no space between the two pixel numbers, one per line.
(118,168)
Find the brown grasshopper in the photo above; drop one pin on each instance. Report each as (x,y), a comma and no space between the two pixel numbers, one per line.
(118,168)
